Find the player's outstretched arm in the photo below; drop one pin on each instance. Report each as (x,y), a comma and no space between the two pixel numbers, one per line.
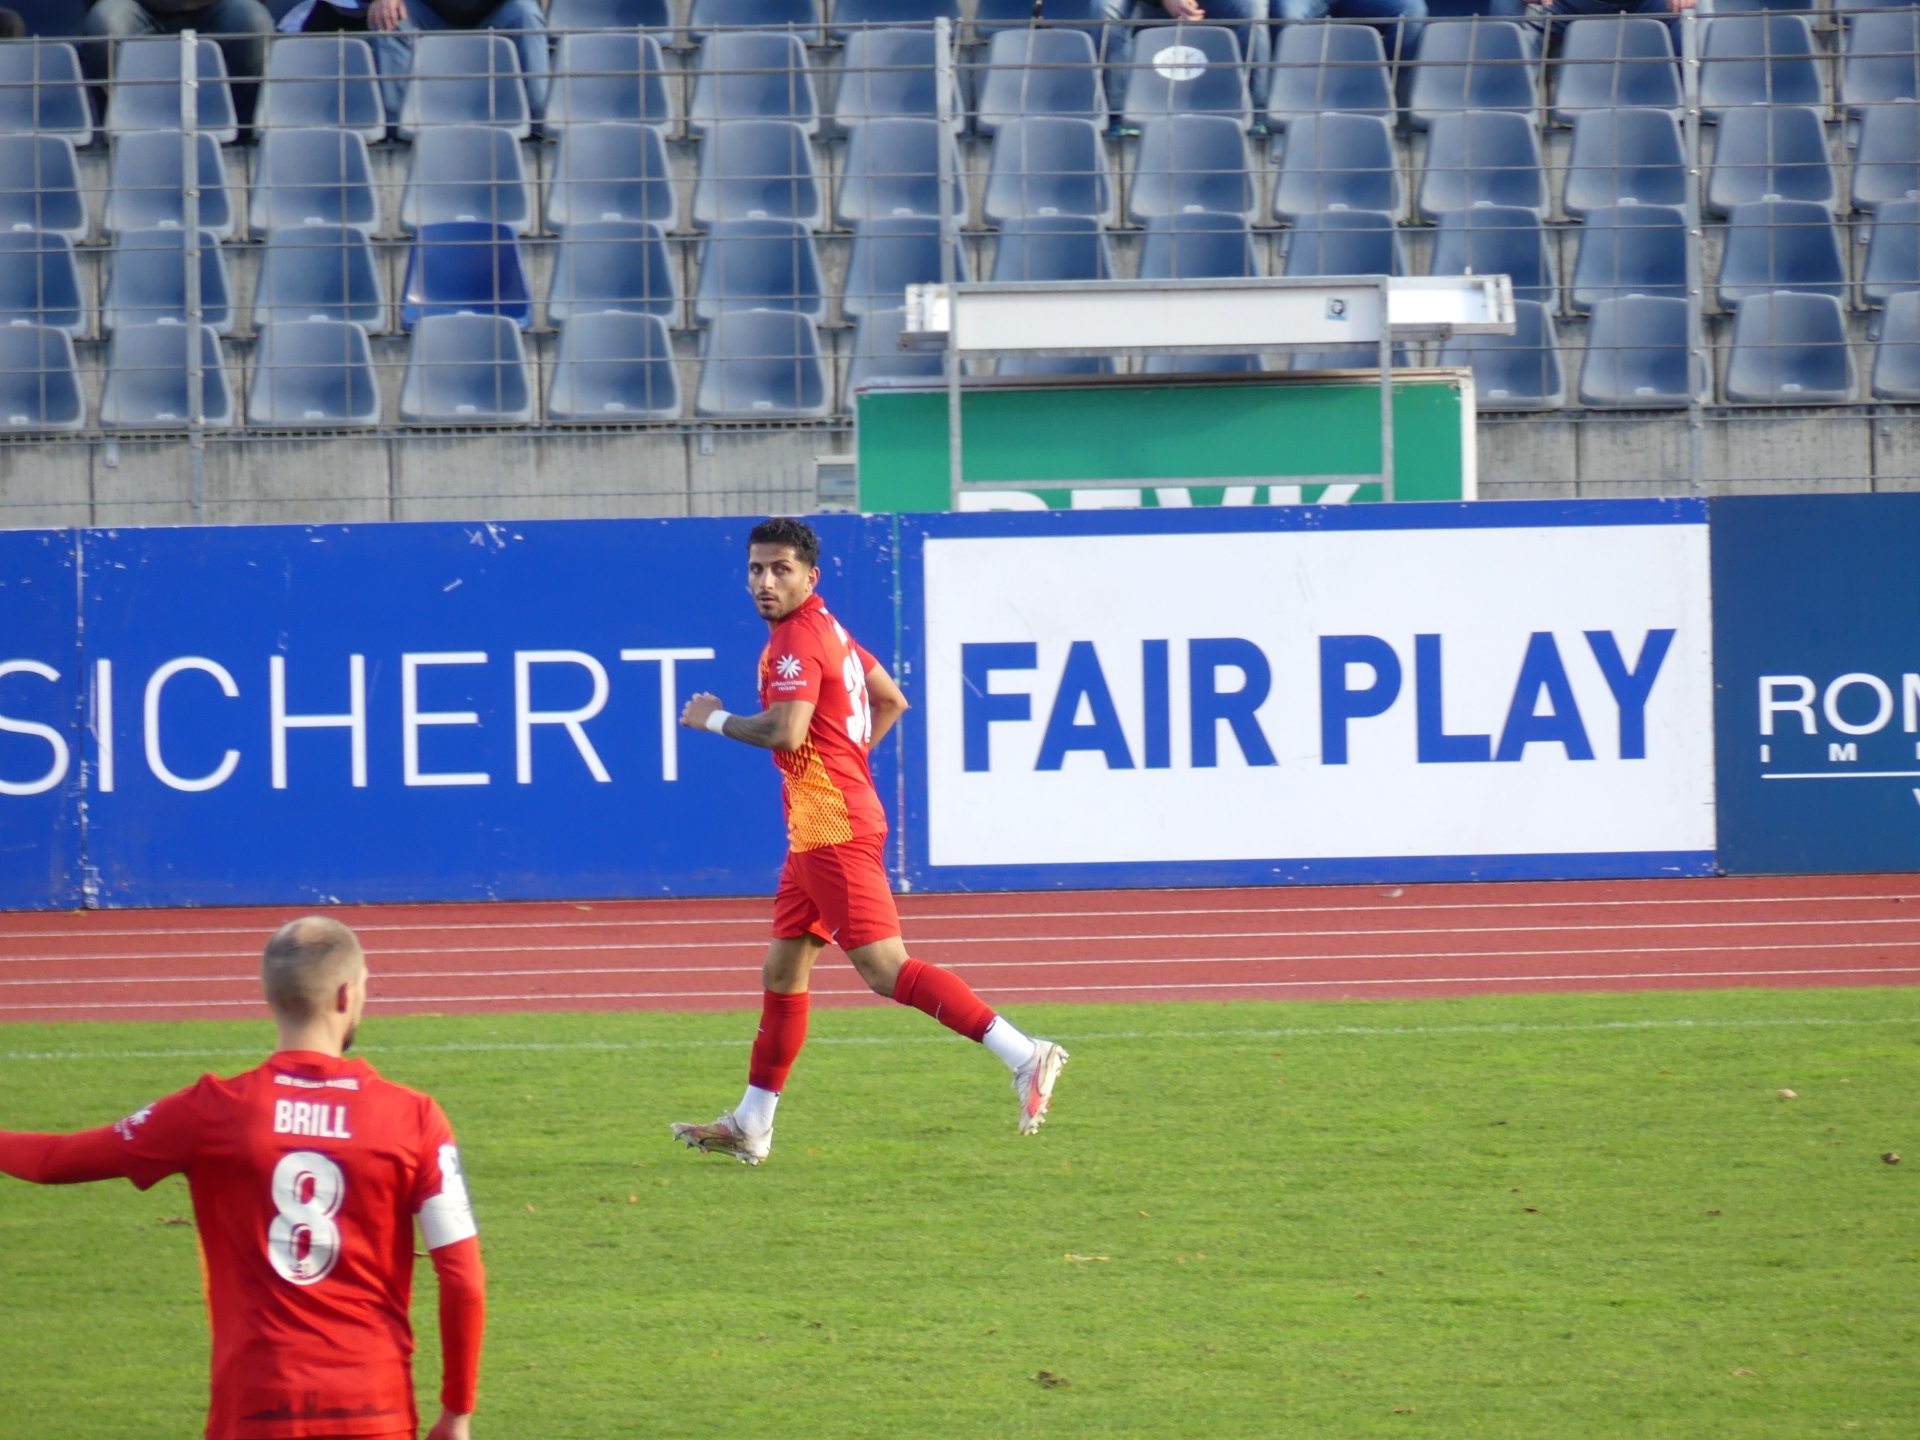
(463,1324)
(63,1159)
(888,701)
(778,727)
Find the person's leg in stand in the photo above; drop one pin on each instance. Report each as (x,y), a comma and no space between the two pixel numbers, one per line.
(527,23)
(393,55)
(1248,20)
(1113,42)
(243,27)
(1402,41)
(106,22)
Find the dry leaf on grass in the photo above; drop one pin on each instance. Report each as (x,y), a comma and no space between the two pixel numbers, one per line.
(1047,1380)
(1742,1370)
(1788,1095)
(1084,1259)
(1892,1157)
(175,1220)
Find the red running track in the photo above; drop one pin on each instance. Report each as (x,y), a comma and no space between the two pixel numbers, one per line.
(1343,942)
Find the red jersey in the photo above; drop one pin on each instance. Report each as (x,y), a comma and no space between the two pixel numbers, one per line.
(827,786)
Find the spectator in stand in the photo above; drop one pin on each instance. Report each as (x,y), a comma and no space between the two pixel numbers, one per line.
(246,22)
(395,22)
(12,27)
(1408,36)
(1579,9)
(1246,18)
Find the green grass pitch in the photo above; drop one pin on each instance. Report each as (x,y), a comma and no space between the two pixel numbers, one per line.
(1545,1216)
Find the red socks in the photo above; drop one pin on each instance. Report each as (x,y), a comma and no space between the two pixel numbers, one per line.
(944,996)
(783,1030)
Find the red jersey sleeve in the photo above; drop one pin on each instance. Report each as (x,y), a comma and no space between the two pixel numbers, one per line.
(796,666)
(867,663)
(146,1147)
(440,1198)
(445,1211)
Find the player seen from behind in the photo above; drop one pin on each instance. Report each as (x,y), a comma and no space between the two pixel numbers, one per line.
(825,703)
(307,1174)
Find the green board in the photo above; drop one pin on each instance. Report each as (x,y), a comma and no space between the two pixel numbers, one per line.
(1244,436)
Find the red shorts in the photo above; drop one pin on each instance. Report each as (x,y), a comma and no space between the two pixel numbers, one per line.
(839,893)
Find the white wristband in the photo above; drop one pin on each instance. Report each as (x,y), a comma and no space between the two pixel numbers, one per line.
(717,722)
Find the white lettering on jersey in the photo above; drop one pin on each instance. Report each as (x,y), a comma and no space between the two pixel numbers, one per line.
(344,1082)
(125,1128)
(447,1218)
(325,1122)
(303,1243)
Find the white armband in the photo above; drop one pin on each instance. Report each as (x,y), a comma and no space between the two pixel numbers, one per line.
(717,722)
(447,1218)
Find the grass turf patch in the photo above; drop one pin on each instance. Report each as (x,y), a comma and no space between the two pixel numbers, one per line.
(1534,1216)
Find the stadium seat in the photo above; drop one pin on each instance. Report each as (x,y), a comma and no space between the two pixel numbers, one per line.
(1048,166)
(325,81)
(618,78)
(1199,364)
(40,185)
(759,265)
(1055,365)
(467,172)
(889,73)
(1781,245)
(1624,157)
(1886,164)
(877,354)
(314,177)
(39,383)
(757,170)
(1498,240)
(611,172)
(1052,247)
(146,90)
(147,282)
(1630,250)
(1893,252)
(40,282)
(1345,242)
(1636,354)
(1610,63)
(1040,72)
(993,16)
(851,15)
(320,272)
(1883,60)
(146,385)
(610,15)
(1319,68)
(41,93)
(1757,60)
(802,16)
(1789,348)
(313,375)
(1187,70)
(1896,359)
(1338,162)
(613,366)
(762,365)
(1754,7)
(144,190)
(613,265)
(465,268)
(752,75)
(890,254)
(1520,371)
(1770,152)
(1190,164)
(1197,247)
(1482,157)
(466,370)
(1473,65)
(892,167)
(465,77)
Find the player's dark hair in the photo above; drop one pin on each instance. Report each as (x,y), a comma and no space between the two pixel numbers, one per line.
(796,535)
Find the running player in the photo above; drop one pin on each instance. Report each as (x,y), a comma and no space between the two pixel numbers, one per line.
(825,703)
(308,1175)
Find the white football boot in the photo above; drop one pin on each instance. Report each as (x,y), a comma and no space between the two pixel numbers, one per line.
(725,1137)
(1033,1083)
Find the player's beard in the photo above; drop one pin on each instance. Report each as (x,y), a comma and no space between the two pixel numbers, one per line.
(347,1044)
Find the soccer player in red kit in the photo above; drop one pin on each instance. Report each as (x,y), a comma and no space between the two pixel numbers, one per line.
(308,1175)
(825,703)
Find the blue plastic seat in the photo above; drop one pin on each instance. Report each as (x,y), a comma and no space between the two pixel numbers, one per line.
(1896,359)
(877,355)
(610,15)
(1319,68)
(1883,59)
(1886,164)
(39,384)
(752,75)
(1199,364)
(1483,157)
(1196,247)
(314,177)
(1630,250)
(801,16)
(1055,365)
(1771,152)
(465,268)
(1781,245)
(1190,164)
(147,283)
(614,367)
(320,272)
(1616,63)
(1473,65)
(1893,252)
(1345,357)
(994,16)
(40,282)
(892,167)
(759,265)
(323,81)
(146,89)
(1040,72)
(466,370)
(762,365)
(1052,247)
(886,73)
(1789,348)
(757,170)
(41,92)
(465,77)
(144,190)
(1521,371)
(611,172)
(313,375)
(599,79)
(1757,60)
(851,15)
(890,254)
(1754,7)
(1187,70)
(1624,157)
(146,385)
(1498,240)
(1345,242)
(1338,162)
(467,172)
(40,186)
(613,265)
(1636,354)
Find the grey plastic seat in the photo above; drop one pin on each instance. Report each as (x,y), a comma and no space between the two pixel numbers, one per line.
(1781,245)
(851,15)
(40,185)
(890,254)
(757,170)
(1886,164)
(993,16)
(877,356)
(1754,7)
(1055,365)
(1328,67)
(1040,72)
(465,77)
(466,370)
(1883,60)
(40,282)
(1199,364)
(1187,70)
(1344,357)
(611,172)
(1893,252)
(1345,242)
(1498,240)
(41,92)
(1052,247)
(613,265)
(1616,63)
(39,384)
(1770,152)
(313,375)
(1624,157)
(319,272)
(1757,60)
(1636,354)
(1521,371)
(147,282)
(1193,247)
(469,173)
(618,78)
(614,367)
(1896,359)
(752,75)
(887,73)
(802,16)
(892,167)
(610,15)
(1190,164)
(762,365)
(759,265)
(1789,348)
(146,386)
(1338,162)
(325,81)
(314,177)
(144,190)
(1483,157)
(1473,65)
(1630,250)
(146,90)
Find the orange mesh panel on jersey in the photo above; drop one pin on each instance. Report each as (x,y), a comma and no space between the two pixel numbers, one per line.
(816,810)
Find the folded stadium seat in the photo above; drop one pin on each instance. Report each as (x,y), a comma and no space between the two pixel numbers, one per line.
(610,15)
(1055,365)
(993,16)
(1040,72)
(1345,242)
(1338,162)
(1346,357)
(613,265)
(618,78)
(1630,250)
(146,385)
(1520,371)
(465,77)
(877,354)
(1893,252)
(322,81)
(467,172)
(41,92)
(890,73)
(1190,164)
(1199,364)
(613,367)
(1473,65)
(1187,70)
(1498,240)
(1319,68)
(1789,348)
(1636,353)
(319,272)
(1781,245)
(851,15)
(762,365)
(1757,60)
(1753,7)
(1886,164)
(147,282)
(146,90)
(802,16)
(465,268)
(313,375)
(752,75)
(39,384)
(758,170)
(1052,247)
(1197,247)
(890,254)
(1616,63)
(40,282)
(1770,152)
(892,167)
(611,172)
(40,185)
(1624,157)
(144,190)
(313,177)
(466,370)
(1883,59)
(1896,359)
(1048,166)
(1482,157)
(759,265)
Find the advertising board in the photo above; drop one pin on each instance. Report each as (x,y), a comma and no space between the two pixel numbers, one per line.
(41,795)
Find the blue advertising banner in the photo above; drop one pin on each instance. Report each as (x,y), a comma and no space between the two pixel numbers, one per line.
(41,797)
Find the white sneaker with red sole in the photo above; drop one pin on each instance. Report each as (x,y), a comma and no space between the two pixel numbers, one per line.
(1033,1083)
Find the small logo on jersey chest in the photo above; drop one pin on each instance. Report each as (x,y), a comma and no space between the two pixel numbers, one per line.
(296,1117)
(787,667)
